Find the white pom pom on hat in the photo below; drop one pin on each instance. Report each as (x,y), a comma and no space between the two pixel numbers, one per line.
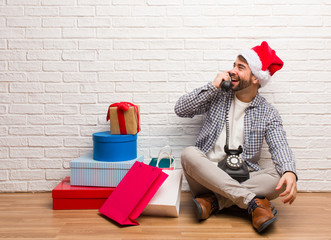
(263,62)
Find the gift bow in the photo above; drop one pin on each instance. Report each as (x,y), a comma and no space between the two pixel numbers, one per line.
(121,108)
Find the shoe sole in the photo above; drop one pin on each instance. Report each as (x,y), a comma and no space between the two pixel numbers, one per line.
(266,224)
(198,210)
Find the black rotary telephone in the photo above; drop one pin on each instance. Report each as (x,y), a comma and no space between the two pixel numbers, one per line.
(233,164)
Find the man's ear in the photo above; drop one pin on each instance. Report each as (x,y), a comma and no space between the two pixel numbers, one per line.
(254,79)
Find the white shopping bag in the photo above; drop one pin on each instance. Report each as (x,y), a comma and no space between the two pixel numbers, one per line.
(166,201)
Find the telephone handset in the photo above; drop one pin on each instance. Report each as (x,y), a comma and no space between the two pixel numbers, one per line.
(227,85)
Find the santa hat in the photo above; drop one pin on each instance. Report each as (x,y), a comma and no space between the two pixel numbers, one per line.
(263,62)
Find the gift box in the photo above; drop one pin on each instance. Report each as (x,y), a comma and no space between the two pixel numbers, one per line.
(114,148)
(124,118)
(85,171)
(66,196)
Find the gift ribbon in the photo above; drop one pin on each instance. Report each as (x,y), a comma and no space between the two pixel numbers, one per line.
(121,108)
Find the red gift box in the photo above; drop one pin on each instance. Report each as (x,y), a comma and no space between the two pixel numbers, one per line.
(66,196)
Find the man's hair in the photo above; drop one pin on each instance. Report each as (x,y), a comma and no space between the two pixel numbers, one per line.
(241,58)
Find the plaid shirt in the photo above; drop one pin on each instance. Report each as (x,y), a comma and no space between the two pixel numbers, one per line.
(261,121)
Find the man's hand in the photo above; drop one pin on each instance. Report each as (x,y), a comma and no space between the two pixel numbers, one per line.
(289,179)
(220,77)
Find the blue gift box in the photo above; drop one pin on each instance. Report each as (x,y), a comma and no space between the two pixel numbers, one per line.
(113,148)
(85,171)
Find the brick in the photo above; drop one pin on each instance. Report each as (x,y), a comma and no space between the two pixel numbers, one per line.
(187,11)
(80,120)
(25,44)
(61,153)
(96,66)
(105,55)
(45,142)
(167,87)
(26,88)
(93,2)
(26,109)
(45,164)
(4,152)
(45,98)
(58,2)
(13,98)
(11,11)
(26,152)
(57,174)
(79,142)
(79,33)
(13,142)
(27,174)
(167,44)
(59,22)
(42,186)
(23,22)
(44,77)
(112,11)
(114,97)
(44,55)
(167,66)
(60,44)
(43,33)
(149,98)
(131,66)
(61,131)
(130,44)
(97,88)
(45,120)
(11,33)
(94,22)
(12,77)
(126,33)
(80,77)
(95,44)
(132,87)
(22,2)
(61,109)
(92,109)
(79,55)
(76,11)
(60,66)
(3,131)
(26,131)
(13,56)
(25,66)
(150,77)
(61,87)
(13,120)
(80,99)
(115,76)
(13,164)
(41,11)
(13,187)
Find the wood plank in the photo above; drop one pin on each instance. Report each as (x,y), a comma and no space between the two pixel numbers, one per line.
(30,216)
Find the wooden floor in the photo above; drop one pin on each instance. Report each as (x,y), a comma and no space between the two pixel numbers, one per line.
(30,216)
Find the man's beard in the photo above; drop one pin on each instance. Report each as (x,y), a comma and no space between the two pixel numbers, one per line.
(243,84)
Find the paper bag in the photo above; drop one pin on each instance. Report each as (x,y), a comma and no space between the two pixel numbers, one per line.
(166,201)
(133,193)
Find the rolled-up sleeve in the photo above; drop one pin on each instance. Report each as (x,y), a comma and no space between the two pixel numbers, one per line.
(197,102)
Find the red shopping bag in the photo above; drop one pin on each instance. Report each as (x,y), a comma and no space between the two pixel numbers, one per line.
(133,193)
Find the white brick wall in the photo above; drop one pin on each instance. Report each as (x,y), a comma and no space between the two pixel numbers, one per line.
(62,62)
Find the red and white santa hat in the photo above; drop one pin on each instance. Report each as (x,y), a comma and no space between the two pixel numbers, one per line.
(263,62)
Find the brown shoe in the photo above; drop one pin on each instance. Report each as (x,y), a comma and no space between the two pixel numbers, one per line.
(206,205)
(262,213)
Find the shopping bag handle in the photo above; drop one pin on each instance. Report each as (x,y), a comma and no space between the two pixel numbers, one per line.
(164,152)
